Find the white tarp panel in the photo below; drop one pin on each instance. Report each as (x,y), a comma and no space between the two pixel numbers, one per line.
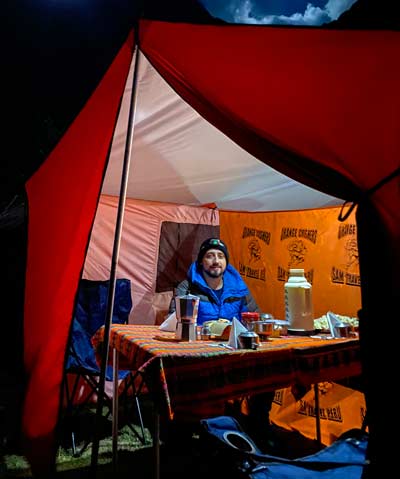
(178,157)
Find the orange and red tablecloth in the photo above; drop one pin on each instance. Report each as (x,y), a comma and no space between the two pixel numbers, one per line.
(195,379)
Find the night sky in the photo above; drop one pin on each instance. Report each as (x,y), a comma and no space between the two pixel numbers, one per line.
(294,12)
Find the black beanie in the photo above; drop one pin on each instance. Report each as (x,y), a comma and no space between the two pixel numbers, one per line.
(212,243)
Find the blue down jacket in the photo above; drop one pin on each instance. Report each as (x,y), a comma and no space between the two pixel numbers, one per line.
(235,299)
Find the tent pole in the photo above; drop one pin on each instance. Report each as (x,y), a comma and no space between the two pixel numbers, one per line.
(114,263)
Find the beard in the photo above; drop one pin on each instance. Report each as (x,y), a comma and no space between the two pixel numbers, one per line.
(214,273)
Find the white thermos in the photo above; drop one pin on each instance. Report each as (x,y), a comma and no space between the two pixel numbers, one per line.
(298,304)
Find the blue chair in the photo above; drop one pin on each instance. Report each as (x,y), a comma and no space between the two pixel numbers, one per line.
(89,316)
(226,443)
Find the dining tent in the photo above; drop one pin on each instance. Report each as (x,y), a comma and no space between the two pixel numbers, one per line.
(318,105)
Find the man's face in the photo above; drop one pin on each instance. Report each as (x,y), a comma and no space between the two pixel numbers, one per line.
(214,263)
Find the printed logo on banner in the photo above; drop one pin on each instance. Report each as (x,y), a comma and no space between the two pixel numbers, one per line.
(296,247)
(278,396)
(253,267)
(348,271)
(332,413)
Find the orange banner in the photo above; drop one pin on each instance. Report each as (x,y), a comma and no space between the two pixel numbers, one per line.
(264,246)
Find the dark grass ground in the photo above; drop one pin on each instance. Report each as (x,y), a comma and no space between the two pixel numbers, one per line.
(177,461)
(184,452)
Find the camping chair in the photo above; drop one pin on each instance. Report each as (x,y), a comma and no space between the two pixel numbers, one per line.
(231,452)
(82,370)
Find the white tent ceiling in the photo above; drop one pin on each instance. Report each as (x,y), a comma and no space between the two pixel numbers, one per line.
(178,157)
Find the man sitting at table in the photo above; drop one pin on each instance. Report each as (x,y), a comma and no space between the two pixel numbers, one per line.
(224,294)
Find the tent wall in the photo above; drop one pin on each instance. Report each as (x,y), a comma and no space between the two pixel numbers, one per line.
(139,248)
(264,246)
(62,197)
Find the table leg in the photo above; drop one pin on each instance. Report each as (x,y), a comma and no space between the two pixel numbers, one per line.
(156,444)
(317,414)
(115,412)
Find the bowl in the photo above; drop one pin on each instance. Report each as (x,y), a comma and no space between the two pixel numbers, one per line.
(264,328)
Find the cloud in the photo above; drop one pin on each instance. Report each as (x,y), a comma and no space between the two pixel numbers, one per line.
(244,13)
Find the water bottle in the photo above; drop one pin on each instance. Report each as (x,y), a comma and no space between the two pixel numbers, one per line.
(298,304)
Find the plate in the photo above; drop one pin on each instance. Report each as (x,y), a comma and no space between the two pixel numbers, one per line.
(167,339)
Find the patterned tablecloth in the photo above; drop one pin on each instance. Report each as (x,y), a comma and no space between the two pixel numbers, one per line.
(195,379)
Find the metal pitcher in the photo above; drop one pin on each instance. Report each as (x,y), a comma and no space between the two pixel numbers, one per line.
(186,314)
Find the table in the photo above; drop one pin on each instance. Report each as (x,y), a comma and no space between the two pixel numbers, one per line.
(195,379)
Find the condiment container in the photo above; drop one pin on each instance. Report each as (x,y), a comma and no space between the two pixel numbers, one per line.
(280,328)
(205,332)
(342,330)
(248,316)
(248,340)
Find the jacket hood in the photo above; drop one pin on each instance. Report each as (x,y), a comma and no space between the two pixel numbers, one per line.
(233,282)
